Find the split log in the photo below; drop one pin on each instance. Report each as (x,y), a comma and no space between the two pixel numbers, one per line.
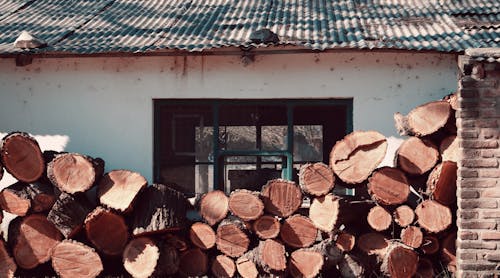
(214,206)
(246,267)
(42,196)
(432,216)
(389,186)
(69,212)
(159,208)
(202,235)
(72,172)
(442,183)
(7,264)
(350,267)
(416,156)
(118,189)
(34,241)
(140,257)
(373,244)
(169,261)
(399,261)
(107,231)
(448,251)
(316,179)
(379,218)
(15,199)
(345,241)
(425,269)
(355,157)
(298,231)
(223,266)
(424,120)
(231,240)
(324,212)
(430,245)
(21,156)
(74,259)
(281,198)
(449,149)
(305,264)
(272,255)
(245,204)
(412,236)
(266,227)
(404,215)
(193,262)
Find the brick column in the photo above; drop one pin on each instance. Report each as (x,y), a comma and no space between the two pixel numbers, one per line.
(478,192)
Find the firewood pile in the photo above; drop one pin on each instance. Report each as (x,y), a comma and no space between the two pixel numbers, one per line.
(75,220)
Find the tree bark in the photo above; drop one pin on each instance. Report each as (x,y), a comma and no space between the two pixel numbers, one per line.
(74,259)
(7,264)
(118,189)
(72,172)
(69,212)
(442,183)
(404,215)
(298,231)
(266,227)
(316,179)
(15,199)
(350,267)
(399,261)
(324,212)
(355,157)
(281,198)
(42,196)
(412,236)
(214,206)
(223,266)
(140,257)
(433,217)
(245,204)
(424,120)
(202,235)
(305,264)
(379,219)
(159,209)
(416,156)
(231,239)
(107,231)
(193,262)
(21,156)
(389,186)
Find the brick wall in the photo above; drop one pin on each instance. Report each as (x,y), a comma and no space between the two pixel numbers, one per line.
(478,120)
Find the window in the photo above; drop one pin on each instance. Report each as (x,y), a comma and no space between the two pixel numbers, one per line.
(202,145)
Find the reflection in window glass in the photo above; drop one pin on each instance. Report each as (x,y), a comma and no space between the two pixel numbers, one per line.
(237,137)
(308,143)
(274,137)
(204,144)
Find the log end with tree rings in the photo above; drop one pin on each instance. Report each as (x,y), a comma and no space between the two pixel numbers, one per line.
(298,231)
(316,179)
(389,186)
(214,206)
(416,156)
(21,156)
(267,226)
(71,172)
(231,240)
(223,266)
(202,235)
(324,212)
(404,215)
(245,204)
(379,218)
(433,217)
(140,257)
(281,197)
(118,189)
(305,264)
(412,236)
(74,259)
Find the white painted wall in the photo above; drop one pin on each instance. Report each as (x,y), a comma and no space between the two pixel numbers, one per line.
(104,105)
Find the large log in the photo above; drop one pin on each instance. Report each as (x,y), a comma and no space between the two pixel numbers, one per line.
(140,257)
(34,240)
(15,199)
(298,231)
(223,266)
(107,231)
(399,261)
(69,212)
(424,120)
(416,156)
(316,179)
(159,208)
(404,215)
(305,264)
(442,183)
(355,157)
(245,204)
(379,218)
(74,259)
(202,235)
(21,156)
(231,239)
(267,226)
(389,186)
(433,217)
(118,189)
(214,206)
(281,198)
(324,212)
(272,255)
(72,172)
(193,263)
(7,264)
(412,236)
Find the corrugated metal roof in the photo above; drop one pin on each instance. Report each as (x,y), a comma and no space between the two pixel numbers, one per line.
(104,26)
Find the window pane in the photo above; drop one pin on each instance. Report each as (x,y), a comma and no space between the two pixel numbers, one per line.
(308,143)
(237,137)
(204,144)
(274,137)
(246,174)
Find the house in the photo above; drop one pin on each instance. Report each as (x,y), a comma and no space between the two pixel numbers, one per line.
(199,93)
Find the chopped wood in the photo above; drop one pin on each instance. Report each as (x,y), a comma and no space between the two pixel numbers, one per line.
(223,266)
(430,245)
(34,241)
(245,204)
(140,257)
(267,226)
(404,215)
(305,264)
(449,149)
(412,236)
(389,186)
(281,198)
(194,262)
(425,269)
(424,120)
(345,241)
(107,231)
(272,254)
(159,208)
(298,231)
(329,249)
(15,199)
(72,172)
(379,218)
(118,189)
(169,261)
(202,235)
(214,206)
(355,157)
(349,267)
(399,261)
(416,156)
(42,196)
(442,183)
(21,156)
(448,251)
(324,212)
(246,267)
(74,259)
(231,240)
(316,179)
(7,264)
(373,244)
(433,217)
(452,99)
(69,212)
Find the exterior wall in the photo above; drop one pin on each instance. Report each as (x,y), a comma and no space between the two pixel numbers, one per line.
(478,244)
(104,106)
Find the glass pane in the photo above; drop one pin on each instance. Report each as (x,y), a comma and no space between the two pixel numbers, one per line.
(237,137)
(274,137)
(308,143)
(204,137)
(246,173)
